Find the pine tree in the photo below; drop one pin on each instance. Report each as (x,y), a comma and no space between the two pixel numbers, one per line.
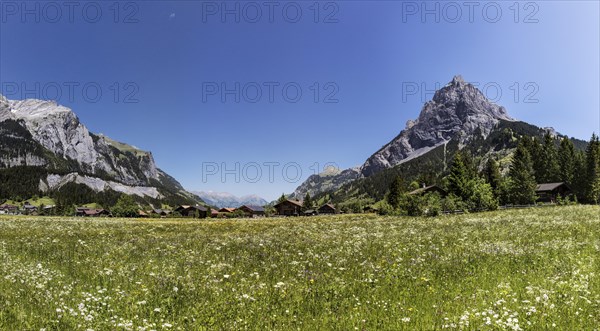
(522,180)
(282,198)
(534,147)
(308,203)
(548,168)
(458,178)
(579,175)
(395,192)
(566,160)
(592,161)
(492,175)
(469,162)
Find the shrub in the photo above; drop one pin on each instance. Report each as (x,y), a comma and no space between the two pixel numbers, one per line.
(410,204)
(433,204)
(452,203)
(481,196)
(421,205)
(125,207)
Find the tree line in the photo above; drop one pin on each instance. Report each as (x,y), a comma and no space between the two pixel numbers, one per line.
(535,161)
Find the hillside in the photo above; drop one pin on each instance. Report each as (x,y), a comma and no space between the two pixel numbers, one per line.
(433,166)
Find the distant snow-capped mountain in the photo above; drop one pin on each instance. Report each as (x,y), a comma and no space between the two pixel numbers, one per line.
(228,200)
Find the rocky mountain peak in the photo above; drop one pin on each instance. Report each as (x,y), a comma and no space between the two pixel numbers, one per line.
(457,80)
(33,109)
(45,134)
(457,91)
(5,112)
(457,111)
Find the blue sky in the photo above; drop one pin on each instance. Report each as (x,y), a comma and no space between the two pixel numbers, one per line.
(365,58)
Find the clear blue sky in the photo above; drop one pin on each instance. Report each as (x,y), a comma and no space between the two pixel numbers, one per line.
(369,50)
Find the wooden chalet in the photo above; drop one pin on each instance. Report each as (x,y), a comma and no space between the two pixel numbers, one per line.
(252,211)
(289,208)
(9,209)
(192,211)
(429,189)
(143,214)
(29,209)
(327,209)
(214,213)
(90,212)
(549,192)
(226,210)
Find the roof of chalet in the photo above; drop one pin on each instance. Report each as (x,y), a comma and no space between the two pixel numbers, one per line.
(298,203)
(253,208)
(227,210)
(89,211)
(427,189)
(5,206)
(327,205)
(185,207)
(545,187)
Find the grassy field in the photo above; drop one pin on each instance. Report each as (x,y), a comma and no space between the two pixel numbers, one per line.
(46,201)
(534,269)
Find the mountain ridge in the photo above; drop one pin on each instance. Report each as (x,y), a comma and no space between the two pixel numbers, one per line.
(228,200)
(40,133)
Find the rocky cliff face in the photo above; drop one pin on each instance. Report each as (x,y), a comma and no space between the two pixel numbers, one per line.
(458,110)
(326,181)
(43,133)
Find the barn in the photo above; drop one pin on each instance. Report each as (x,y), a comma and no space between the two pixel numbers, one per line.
(289,207)
(327,209)
(252,211)
(549,192)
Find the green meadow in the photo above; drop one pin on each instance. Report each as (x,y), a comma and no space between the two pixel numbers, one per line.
(529,269)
